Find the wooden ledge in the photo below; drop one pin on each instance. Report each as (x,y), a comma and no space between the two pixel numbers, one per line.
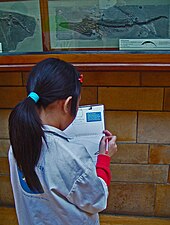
(132,220)
(8,217)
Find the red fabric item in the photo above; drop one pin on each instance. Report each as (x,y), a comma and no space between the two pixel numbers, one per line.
(103,168)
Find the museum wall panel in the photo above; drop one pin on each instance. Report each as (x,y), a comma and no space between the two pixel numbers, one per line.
(133,83)
(136,110)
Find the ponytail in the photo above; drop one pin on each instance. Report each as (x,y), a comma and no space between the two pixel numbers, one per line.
(50,80)
(26,135)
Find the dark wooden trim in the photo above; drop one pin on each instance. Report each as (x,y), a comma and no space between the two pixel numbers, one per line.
(92,62)
(88,58)
(97,67)
(45,25)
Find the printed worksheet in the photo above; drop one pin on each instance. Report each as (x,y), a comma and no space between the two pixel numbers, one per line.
(87,128)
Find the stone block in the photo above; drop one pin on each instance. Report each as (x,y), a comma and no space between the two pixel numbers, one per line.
(122,124)
(10,79)
(139,173)
(4,115)
(127,98)
(4,146)
(131,153)
(154,127)
(159,154)
(167,99)
(6,195)
(25,77)
(10,96)
(169,175)
(155,78)
(111,78)
(162,207)
(88,95)
(131,198)
(4,166)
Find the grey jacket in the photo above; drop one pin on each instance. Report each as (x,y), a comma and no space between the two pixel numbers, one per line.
(73,194)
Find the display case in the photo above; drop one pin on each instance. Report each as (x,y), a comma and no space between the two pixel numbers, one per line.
(20,26)
(100,24)
(64,25)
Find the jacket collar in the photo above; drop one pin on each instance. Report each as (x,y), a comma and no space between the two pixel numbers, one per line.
(55,131)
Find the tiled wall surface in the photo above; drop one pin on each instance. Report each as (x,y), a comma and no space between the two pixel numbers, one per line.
(137,110)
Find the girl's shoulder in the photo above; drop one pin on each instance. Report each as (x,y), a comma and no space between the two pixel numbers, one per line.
(56,141)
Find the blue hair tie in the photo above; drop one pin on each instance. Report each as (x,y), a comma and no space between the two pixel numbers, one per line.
(34,96)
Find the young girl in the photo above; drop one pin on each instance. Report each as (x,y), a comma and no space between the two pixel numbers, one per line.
(54,180)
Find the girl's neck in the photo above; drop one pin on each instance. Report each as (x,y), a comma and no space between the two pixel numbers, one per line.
(55,115)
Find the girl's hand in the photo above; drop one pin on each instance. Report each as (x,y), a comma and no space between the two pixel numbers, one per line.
(112,147)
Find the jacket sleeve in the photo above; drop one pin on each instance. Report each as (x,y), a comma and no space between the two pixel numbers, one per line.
(103,168)
(89,192)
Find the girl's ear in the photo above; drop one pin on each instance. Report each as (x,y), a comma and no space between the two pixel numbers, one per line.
(67,105)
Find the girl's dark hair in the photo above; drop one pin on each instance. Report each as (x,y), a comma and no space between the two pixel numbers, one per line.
(52,79)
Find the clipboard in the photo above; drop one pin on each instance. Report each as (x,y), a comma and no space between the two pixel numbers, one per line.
(87,128)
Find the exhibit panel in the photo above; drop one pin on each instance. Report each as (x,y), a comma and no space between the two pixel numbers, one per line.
(64,25)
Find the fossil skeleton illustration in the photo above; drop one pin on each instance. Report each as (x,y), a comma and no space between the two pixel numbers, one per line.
(128,20)
(88,25)
(14,28)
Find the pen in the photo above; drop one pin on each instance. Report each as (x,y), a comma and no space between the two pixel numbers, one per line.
(107,147)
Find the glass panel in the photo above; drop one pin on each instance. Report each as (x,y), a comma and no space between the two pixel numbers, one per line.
(20,26)
(82,25)
(99,24)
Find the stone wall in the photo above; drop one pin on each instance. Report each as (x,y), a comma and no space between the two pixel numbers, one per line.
(137,110)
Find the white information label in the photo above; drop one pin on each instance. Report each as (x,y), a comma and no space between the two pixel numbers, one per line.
(144,44)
